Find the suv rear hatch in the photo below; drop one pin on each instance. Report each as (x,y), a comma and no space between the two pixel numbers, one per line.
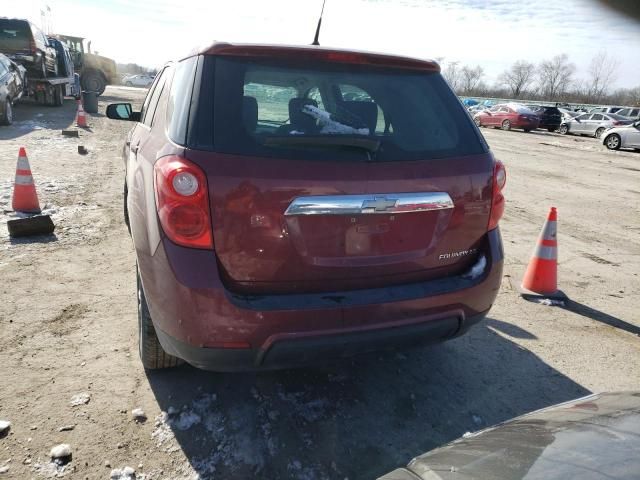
(15,37)
(332,175)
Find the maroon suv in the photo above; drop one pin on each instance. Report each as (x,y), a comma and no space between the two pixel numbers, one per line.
(296,204)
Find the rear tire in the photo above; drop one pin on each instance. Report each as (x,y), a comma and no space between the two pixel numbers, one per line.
(612,142)
(152,355)
(563,130)
(506,125)
(599,132)
(7,114)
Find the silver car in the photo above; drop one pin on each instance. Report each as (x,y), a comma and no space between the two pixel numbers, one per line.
(631,113)
(593,124)
(622,137)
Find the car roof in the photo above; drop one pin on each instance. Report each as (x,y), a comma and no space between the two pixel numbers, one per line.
(315,52)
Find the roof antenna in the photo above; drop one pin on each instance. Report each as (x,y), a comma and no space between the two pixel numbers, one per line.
(315,39)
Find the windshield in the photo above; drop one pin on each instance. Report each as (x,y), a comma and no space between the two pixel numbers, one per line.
(410,115)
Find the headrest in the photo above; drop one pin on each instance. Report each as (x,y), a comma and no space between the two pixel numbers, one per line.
(300,120)
(365,114)
(250,113)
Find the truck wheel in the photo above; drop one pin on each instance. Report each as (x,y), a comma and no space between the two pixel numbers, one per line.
(7,114)
(151,353)
(93,82)
(58,95)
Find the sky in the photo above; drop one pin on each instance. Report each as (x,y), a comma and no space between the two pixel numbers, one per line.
(493,34)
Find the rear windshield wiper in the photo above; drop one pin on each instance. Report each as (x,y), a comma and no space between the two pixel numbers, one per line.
(371,145)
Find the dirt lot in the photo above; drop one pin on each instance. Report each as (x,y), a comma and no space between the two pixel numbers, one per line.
(68,326)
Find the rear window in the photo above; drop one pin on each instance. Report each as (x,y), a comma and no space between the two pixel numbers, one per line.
(289,110)
(14,33)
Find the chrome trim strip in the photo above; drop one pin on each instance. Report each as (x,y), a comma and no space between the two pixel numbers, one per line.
(385,203)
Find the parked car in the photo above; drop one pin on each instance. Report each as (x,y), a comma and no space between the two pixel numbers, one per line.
(627,136)
(24,43)
(276,223)
(508,116)
(630,113)
(593,437)
(568,114)
(592,124)
(605,110)
(550,117)
(13,81)
(142,80)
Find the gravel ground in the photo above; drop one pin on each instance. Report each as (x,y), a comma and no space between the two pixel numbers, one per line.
(68,327)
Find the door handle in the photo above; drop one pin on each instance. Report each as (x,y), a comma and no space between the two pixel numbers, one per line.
(134,149)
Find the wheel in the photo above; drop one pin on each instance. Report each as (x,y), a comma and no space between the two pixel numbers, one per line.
(477,122)
(599,132)
(563,130)
(58,95)
(7,115)
(506,125)
(129,84)
(93,82)
(551,130)
(613,142)
(151,353)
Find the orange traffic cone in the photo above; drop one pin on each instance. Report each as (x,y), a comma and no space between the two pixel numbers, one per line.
(541,277)
(25,198)
(81,116)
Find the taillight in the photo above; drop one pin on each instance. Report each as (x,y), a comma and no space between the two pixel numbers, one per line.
(497,199)
(182,202)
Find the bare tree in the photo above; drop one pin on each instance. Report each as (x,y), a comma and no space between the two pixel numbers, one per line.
(452,75)
(602,73)
(518,78)
(555,76)
(470,78)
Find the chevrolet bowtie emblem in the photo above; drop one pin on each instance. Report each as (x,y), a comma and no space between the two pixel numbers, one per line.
(379,204)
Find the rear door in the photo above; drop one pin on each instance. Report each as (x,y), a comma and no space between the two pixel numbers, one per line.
(15,36)
(580,123)
(300,198)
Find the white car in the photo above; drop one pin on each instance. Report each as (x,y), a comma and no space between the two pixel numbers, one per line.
(622,137)
(142,80)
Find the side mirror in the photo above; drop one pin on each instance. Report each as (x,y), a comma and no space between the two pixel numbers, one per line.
(122,111)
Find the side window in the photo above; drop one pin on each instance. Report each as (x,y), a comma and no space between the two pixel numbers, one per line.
(164,95)
(180,99)
(351,93)
(494,109)
(597,116)
(151,101)
(586,116)
(273,104)
(3,69)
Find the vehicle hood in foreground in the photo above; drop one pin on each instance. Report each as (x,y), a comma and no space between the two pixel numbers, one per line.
(594,437)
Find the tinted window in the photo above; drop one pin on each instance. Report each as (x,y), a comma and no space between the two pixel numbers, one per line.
(597,116)
(585,116)
(14,34)
(256,106)
(615,116)
(180,99)
(151,102)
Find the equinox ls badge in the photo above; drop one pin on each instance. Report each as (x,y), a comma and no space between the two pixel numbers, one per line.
(461,253)
(379,204)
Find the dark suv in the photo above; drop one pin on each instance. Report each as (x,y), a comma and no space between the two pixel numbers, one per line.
(550,117)
(24,43)
(296,204)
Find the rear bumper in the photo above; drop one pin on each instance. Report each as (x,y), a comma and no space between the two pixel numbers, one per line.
(319,347)
(195,315)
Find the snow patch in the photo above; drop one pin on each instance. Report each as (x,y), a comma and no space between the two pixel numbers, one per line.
(126,473)
(80,399)
(4,425)
(549,302)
